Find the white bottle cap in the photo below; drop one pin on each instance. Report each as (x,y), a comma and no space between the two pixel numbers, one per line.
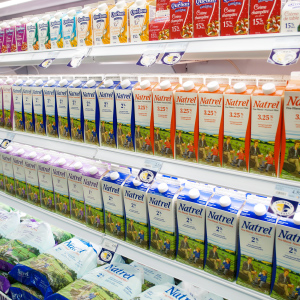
(32,154)
(194,193)
(103,7)
(24,21)
(165,84)
(12,23)
(108,83)
(46,17)
(86,9)
(63,82)
(61,161)
(34,19)
(125,83)
(76,82)
(240,87)
(58,15)
(91,83)
(51,82)
(114,175)
(120,4)
(46,158)
(20,151)
(260,209)
(9,149)
(162,187)
(296,218)
(213,86)
(9,81)
(225,201)
(77,165)
(29,82)
(93,170)
(188,85)
(39,82)
(136,182)
(269,88)
(145,84)
(140,2)
(71,13)
(18,82)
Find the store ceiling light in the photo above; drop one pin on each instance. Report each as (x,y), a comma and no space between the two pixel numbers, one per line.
(12,2)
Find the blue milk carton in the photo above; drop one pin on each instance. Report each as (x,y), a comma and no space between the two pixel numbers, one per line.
(17,88)
(256,244)
(191,204)
(222,216)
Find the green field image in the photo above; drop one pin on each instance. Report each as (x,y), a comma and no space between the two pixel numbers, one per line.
(258,266)
(160,147)
(133,237)
(140,144)
(31,290)
(181,150)
(21,190)
(187,256)
(1,118)
(2,187)
(39,124)
(33,193)
(64,128)
(51,128)
(215,267)
(47,199)
(90,133)
(9,185)
(158,246)
(147,285)
(19,122)
(29,126)
(95,218)
(289,170)
(205,155)
(105,138)
(62,205)
(77,210)
(8,123)
(122,140)
(76,130)
(111,225)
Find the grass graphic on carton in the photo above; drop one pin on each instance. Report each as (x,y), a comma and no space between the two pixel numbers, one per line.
(9,185)
(51,126)
(95,218)
(29,122)
(159,145)
(47,199)
(39,124)
(90,132)
(19,122)
(182,149)
(21,191)
(76,130)
(114,225)
(211,141)
(123,143)
(63,128)
(107,134)
(143,139)
(33,193)
(77,210)
(62,205)
(7,119)
(289,171)
(140,235)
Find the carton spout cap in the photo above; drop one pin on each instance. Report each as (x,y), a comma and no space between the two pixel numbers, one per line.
(29,82)
(9,81)
(213,86)
(225,201)
(125,83)
(91,83)
(240,87)
(51,82)
(260,209)
(18,82)
(76,83)
(9,149)
(108,83)
(162,187)
(136,182)
(120,4)
(39,82)
(61,161)
(103,7)
(165,84)
(58,15)
(140,2)
(63,82)
(194,193)
(145,84)
(114,175)
(20,151)
(86,9)
(46,158)
(296,218)
(269,88)
(77,165)
(188,85)
(71,13)
(93,170)
(32,154)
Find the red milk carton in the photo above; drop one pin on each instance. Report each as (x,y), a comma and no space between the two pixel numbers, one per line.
(234,17)
(162,5)
(181,19)
(206,18)
(159,29)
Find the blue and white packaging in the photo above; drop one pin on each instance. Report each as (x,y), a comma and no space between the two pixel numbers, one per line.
(29,120)
(191,205)
(256,244)
(17,88)
(9,221)
(222,219)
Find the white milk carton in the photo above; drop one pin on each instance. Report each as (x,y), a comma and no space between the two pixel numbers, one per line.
(125,114)
(290,17)
(29,122)
(50,107)
(76,110)
(62,102)
(135,200)
(91,111)
(69,23)
(1,103)
(162,197)
(44,32)
(107,110)
(257,234)
(222,215)
(191,204)
(56,30)
(8,105)
(85,27)
(18,105)
(112,186)
(32,34)
(92,175)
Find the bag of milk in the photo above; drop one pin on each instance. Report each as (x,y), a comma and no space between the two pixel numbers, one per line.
(9,221)
(5,282)
(19,291)
(60,235)
(113,281)
(57,267)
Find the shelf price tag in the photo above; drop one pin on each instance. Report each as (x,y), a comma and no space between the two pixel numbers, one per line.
(78,58)
(150,55)
(49,60)
(173,53)
(108,251)
(153,165)
(288,192)
(284,56)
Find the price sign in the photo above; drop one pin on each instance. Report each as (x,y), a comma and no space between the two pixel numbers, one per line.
(108,251)
(288,192)
(152,164)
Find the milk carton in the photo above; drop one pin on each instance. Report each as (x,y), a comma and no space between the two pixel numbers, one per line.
(62,102)
(125,114)
(164,118)
(211,118)
(1,103)
(84,27)
(290,17)
(18,105)
(10,36)
(3,48)
(56,30)
(32,34)
(266,123)
(69,23)
(8,105)
(135,200)
(187,121)
(37,99)
(237,125)
(92,175)
(50,107)
(107,110)
(143,109)
(162,216)
(191,203)
(91,111)
(21,34)
(222,215)
(28,121)
(76,110)
(44,32)
(112,186)
(256,233)
(2,185)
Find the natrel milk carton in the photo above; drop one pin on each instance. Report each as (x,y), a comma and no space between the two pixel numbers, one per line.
(211,121)
(162,215)
(112,193)
(91,110)
(164,118)
(107,110)
(8,104)
(143,109)
(21,34)
(266,124)
(135,200)
(2,82)
(29,122)
(18,104)
(50,107)
(44,32)
(256,245)
(290,142)
(69,23)
(237,126)
(92,175)
(125,114)
(62,102)
(85,27)
(76,110)
(56,31)
(191,204)
(222,216)
(32,34)
(187,121)
(10,36)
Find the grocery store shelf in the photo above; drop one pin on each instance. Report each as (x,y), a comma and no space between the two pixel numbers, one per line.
(217,48)
(199,278)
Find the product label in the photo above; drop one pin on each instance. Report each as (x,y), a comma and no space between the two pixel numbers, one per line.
(21,32)
(32,180)
(28,107)
(3,48)
(62,111)
(159,29)
(118,26)
(32,37)
(7,105)
(46,187)
(20,179)
(44,35)
(18,107)
(69,32)
(50,108)
(11,39)
(8,172)
(101,28)
(56,33)
(290,17)
(38,106)
(84,30)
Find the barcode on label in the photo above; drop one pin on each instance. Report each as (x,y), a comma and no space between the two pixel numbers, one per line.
(281,193)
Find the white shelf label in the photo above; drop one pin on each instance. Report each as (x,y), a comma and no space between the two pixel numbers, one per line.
(288,192)
(153,165)
(108,250)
